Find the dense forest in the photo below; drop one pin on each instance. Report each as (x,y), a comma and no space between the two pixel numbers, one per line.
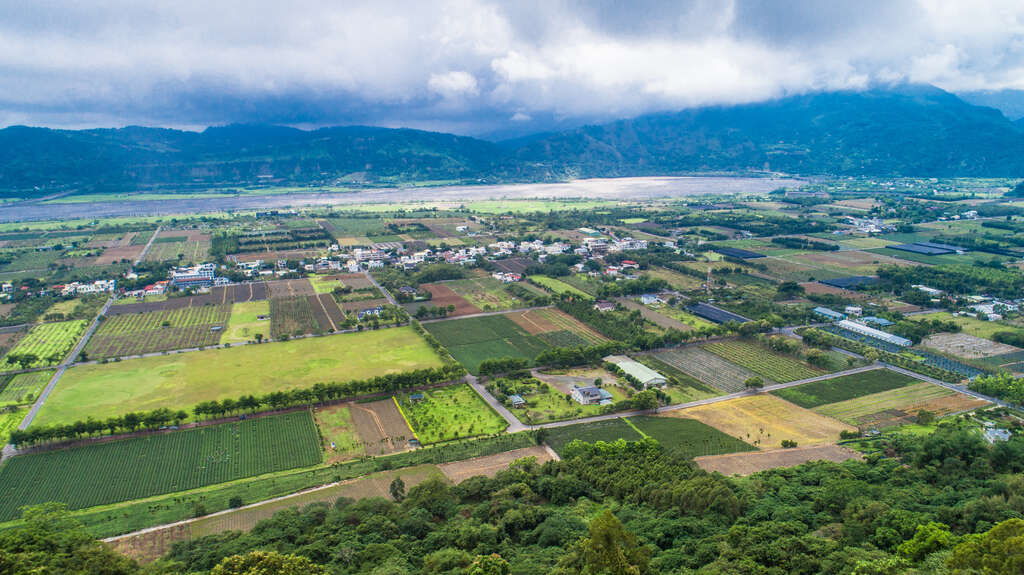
(943,503)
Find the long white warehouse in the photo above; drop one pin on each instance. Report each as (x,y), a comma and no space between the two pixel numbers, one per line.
(875,333)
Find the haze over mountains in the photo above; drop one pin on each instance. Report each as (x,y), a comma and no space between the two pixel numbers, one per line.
(908,130)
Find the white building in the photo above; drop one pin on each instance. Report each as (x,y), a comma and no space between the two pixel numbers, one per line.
(878,334)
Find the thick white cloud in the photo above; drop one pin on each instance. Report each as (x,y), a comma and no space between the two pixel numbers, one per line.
(475,65)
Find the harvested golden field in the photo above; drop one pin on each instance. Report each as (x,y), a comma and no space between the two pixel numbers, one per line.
(766,420)
(752,462)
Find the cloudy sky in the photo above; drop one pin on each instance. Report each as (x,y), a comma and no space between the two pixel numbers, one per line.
(475,66)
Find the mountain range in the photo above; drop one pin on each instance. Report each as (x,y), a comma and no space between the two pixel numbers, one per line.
(908,130)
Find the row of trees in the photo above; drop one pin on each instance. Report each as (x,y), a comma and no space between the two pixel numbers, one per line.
(1002,385)
(126,423)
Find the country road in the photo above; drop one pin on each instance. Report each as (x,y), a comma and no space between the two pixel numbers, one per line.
(8,449)
(387,294)
(149,244)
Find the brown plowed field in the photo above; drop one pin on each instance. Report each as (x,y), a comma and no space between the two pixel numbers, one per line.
(320,313)
(290,288)
(333,311)
(114,255)
(443,296)
(363,304)
(515,265)
(381,427)
(490,465)
(754,461)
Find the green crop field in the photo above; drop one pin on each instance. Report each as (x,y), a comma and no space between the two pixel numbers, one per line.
(446,413)
(858,410)
(23,388)
(244,323)
(761,360)
(706,367)
(292,316)
(9,420)
(557,286)
(180,381)
(147,332)
(689,437)
(49,342)
(157,464)
(473,340)
(609,430)
(843,388)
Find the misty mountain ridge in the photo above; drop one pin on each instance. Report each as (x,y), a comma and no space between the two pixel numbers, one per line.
(898,131)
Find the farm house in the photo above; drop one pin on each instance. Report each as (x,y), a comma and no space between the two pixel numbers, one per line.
(590,395)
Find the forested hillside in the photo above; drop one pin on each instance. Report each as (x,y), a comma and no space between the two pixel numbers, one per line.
(910,131)
(945,503)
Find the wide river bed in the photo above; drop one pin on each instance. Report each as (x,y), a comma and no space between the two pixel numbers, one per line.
(593,189)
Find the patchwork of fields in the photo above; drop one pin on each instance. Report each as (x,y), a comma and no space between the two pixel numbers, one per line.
(838,389)
(473,340)
(557,328)
(757,358)
(706,367)
(136,334)
(157,464)
(182,380)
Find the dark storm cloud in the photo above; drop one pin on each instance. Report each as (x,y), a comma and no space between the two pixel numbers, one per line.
(474,66)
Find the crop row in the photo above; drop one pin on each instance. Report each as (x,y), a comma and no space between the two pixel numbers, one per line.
(707,367)
(48,342)
(292,316)
(762,361)
(151,465)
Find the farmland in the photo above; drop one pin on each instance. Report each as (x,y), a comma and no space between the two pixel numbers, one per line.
(970,325)
(22,388)
(380,426)
(749,463)
(139,333)
(446,413)
(162,463)
(706,367)
(688,437)
(765,421)
(9,420)
(609,430)
(473,340)
(490,465)
(341,440)
(292,316)
(48,342)
(556,328)
(899,403)
(245,322)
(967,346)
(180,381)
(756,358)
(487,293)
(557,286)
(837,389)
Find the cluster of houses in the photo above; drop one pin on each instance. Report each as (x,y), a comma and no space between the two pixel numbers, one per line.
(83,288)
(979,306)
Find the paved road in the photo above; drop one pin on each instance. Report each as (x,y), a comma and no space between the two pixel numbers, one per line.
(145,250)
(515,425)
(955,387)
(487,313)
(8,449)
(387,294)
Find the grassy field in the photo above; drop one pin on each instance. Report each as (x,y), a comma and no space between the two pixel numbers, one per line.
(854,411)
(139,333)
(157,464)
(970,325)
(446,413)
(182,380)
(323,285)
(675,279)
(765,421)
(558,287)
(763,361)
(244,323)
(837,389)
(23,388)
(610,430)
(473,340)
(341,440)
(689,437)
(50,342)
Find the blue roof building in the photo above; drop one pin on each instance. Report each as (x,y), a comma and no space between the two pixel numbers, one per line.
(829,314)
